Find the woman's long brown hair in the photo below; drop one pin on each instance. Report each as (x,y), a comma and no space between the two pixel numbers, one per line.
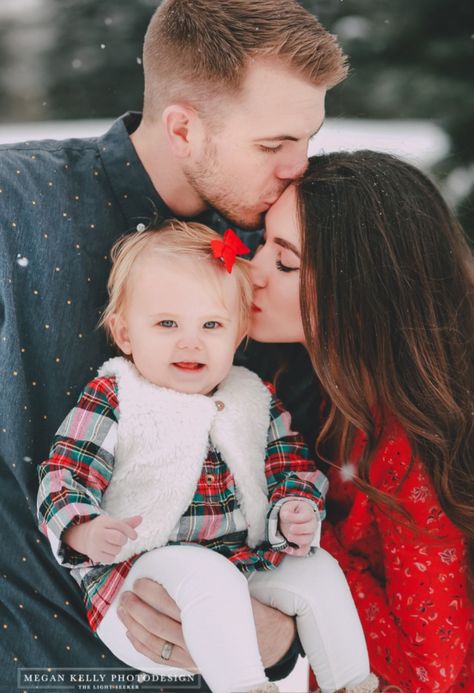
(388,315)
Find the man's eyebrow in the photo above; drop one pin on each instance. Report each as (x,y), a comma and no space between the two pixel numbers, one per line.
(291,138)
(283,243)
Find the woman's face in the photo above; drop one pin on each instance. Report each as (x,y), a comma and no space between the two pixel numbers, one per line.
(276,315)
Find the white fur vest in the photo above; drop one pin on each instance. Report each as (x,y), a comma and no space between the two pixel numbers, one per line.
(163,439)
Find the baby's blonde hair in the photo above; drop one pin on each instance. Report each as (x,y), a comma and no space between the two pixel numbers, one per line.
(176,240)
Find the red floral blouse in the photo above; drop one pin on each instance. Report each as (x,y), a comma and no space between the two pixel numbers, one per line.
(408,583)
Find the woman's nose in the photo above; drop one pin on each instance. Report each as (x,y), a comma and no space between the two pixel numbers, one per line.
(257,271)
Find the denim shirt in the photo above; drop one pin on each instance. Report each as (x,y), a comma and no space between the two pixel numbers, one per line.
(62,206)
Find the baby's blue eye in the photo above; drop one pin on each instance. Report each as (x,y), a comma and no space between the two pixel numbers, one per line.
(167,323)
(211,325)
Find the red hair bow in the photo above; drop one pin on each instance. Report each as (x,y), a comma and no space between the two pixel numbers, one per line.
(227,249)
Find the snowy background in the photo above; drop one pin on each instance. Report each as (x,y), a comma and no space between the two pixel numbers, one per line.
(69,67)
(410,90)
(421,142)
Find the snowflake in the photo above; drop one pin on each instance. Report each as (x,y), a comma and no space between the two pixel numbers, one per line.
(347,471)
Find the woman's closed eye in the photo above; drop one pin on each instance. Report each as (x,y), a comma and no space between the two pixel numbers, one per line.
(270,150)
(285,268)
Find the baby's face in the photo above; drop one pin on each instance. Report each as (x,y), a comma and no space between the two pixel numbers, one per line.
(180,327)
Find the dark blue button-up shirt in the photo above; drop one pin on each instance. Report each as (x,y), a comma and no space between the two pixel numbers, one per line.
(62,206)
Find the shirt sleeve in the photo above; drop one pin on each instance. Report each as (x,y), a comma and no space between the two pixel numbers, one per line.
(79,468)
(415,611)
(291,474)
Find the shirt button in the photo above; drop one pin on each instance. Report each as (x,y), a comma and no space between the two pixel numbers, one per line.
(219,405)
(210,478)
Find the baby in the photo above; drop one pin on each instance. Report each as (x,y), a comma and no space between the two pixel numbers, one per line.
(178,466)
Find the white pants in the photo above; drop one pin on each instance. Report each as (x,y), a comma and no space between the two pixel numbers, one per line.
(218,626)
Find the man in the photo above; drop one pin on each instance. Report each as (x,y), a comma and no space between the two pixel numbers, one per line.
(234,90)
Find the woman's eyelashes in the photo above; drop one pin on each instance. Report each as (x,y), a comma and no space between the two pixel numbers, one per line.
(281,266)
(270,150)
(285,268)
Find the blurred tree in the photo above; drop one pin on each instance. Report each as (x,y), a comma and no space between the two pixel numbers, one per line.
(4,61)
(411,60)
(94,65)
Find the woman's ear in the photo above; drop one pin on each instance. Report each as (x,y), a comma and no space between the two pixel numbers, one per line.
(119,329)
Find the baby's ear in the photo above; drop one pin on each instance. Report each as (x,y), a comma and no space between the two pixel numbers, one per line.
(119,329)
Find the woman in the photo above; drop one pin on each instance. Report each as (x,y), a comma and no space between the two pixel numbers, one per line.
(364,265)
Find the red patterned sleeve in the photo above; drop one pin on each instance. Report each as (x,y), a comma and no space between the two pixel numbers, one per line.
(412,598)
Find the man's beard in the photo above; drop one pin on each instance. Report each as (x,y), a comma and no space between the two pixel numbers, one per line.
(205,178)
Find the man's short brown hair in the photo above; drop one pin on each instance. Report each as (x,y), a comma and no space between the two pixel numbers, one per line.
(198,49)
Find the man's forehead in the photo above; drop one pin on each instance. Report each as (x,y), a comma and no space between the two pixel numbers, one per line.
(266,78)
(278,103)
(282,136)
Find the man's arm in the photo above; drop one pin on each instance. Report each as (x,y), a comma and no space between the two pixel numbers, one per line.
(152,618)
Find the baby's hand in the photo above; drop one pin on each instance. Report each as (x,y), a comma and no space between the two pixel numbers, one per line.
(297,522)
(102,537)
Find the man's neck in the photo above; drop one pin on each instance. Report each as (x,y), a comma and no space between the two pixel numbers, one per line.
(165,171)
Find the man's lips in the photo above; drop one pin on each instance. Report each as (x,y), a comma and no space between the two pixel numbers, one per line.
(188,365)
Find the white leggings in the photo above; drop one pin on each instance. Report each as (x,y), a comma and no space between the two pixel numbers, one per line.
(218,626)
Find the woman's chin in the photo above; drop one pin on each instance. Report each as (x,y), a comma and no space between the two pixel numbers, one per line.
(261,336)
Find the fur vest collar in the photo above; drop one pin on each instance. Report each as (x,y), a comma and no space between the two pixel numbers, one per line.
(163,439)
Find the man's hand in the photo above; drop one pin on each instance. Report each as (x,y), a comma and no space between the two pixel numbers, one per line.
(152,618)
(102,537)
(297,522)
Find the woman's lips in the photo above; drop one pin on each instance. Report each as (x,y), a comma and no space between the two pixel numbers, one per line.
(255,309)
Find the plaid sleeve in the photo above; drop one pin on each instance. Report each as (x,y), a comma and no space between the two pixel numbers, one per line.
(79,468)
(291,473)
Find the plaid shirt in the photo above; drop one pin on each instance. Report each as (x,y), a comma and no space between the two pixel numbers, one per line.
(77,473)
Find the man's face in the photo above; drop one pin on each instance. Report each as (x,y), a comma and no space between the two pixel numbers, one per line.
(261,146)
(180,325)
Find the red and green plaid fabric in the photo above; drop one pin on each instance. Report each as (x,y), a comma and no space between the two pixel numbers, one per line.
(79,469)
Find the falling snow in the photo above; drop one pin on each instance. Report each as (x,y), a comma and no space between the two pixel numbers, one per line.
(347,471)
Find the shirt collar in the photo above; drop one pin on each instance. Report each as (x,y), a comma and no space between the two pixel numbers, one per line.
(134,192)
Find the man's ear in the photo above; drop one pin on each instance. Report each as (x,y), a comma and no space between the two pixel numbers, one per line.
(183,127)
(119,330)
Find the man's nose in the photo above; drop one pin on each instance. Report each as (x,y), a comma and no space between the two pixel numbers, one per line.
(292,169)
